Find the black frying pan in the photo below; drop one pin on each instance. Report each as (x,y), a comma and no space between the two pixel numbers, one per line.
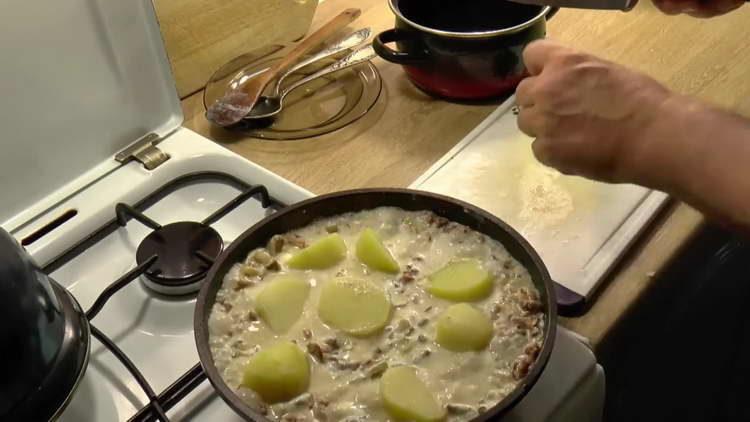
(305,212)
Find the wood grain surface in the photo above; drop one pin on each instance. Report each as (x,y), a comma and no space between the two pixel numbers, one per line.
(201,35)
(408,131)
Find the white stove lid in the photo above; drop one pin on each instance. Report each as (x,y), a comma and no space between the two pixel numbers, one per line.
(80,80)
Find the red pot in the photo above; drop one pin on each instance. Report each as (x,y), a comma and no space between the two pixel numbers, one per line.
(462,50)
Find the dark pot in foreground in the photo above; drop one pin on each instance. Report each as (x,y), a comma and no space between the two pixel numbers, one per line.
(462,50)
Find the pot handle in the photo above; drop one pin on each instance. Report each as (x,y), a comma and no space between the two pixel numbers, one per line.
(399,57)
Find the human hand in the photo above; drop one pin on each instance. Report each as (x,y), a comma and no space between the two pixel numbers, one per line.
(590,117)
(698,8)
(600,120)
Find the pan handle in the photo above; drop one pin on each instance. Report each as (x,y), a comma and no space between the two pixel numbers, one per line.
(569,303)
(418,54)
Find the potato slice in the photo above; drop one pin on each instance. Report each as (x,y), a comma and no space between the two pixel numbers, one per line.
(407,398)
(461,281)
(281,301)
(278,373)
(322,254)
(372,252)
(462,328)
(354,306)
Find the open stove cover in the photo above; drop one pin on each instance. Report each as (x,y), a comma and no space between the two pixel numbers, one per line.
(100,65)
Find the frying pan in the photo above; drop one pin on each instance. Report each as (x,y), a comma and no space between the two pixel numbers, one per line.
(305,212)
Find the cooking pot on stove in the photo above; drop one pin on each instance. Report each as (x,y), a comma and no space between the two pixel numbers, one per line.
(305,212)
(44,339)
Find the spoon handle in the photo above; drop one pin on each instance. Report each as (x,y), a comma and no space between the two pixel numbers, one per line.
(358,56)
(350,41)
(237,103)
(318,37)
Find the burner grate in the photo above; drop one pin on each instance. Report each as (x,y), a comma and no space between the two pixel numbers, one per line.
(172,394)
(159,404)
(122,357)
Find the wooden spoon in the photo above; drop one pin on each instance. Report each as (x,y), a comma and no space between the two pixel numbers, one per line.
(236,103)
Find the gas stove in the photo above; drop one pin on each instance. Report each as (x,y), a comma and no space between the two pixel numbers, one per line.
(144,357)
(126,209)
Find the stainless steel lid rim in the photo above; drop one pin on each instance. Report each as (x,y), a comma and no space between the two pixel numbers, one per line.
(544,11)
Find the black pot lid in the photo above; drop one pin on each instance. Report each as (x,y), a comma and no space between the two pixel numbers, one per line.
(44,339)
(55,391)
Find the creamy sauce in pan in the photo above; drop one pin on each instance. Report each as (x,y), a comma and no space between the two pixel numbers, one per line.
(345,370)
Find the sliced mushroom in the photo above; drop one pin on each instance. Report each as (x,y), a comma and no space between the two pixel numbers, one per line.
(375,370)
(316,352)
(274,266)
(521,367)
(295,240)
(305,400)
(252,270)
(403,325)
(345,365)
(332,228)
(333,343)
(261,256)
(242,283)
(459,408)
(532,350)
(252,316)
(276,244)
(423,354)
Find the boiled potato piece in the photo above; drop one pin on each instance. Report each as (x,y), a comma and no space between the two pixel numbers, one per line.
(354,306)
(278,373)
(407,398)
(281,301)
(462,328)
(461,281)
(372,252)
(322,254)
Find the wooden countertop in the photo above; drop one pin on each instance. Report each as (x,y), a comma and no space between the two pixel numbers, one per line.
(395,144)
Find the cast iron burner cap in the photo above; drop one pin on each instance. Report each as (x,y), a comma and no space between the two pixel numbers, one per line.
(185,251)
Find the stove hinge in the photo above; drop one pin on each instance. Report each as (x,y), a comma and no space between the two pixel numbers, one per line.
(145,152)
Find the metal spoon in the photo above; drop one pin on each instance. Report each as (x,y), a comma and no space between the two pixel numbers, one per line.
(350,41)
(354,39)
(238,102)
(271,106)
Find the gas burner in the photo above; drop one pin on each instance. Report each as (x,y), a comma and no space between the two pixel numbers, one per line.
(172,259)
(184,252)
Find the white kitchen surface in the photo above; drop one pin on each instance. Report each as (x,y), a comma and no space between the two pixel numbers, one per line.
(579,227)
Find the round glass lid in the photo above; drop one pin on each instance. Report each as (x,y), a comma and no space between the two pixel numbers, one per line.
(318,107)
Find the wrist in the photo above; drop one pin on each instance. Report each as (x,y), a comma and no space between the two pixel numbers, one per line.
(699,154)
(648,155)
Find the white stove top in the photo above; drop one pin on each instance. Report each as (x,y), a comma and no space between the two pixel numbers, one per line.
(156,332)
